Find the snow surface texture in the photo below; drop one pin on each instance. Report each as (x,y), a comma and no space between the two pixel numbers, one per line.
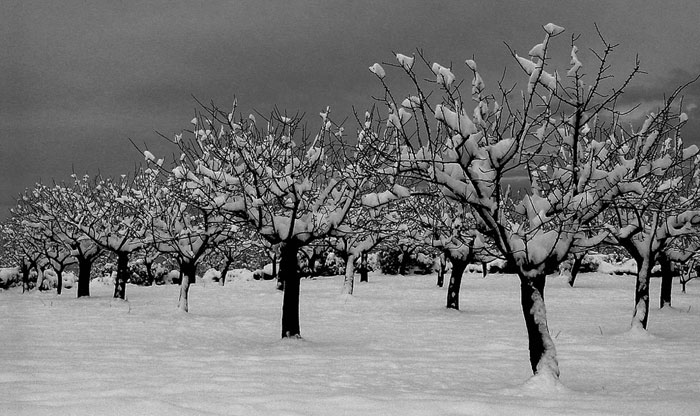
(392,349)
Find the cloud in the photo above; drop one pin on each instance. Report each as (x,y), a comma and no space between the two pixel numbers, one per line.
(648,93)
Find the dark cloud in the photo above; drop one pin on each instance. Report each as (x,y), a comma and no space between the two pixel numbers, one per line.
(80,78)
(656,87)
(649,91)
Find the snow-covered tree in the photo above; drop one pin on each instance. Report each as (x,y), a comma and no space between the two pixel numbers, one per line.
(40,231)
(666,206)
(679,259)
(52,208)
(240,249)
(20,249)
(106,214)
(291,186)
(179,222)
(690,270)
(451,228)
(364,230)
(544,139)
(147,255)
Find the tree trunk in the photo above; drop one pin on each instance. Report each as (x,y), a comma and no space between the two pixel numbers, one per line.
(543,355)
(25,276)
(363,268)
(313,259)
(641,294)
(224,270)
(685,278)
(188,271)
(274,265)
(405,255)
(59,278)
(458,267)
(84,270)
(289,274)
(578,261)
(666,281)
(441,270)
(484,269)
(39,278)
(149,272)
(278,276)
(122,275)
(349,282)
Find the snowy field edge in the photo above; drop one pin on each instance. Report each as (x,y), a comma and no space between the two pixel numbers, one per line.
(392,349)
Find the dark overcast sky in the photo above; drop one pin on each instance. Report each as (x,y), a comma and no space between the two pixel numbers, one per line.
(81,77)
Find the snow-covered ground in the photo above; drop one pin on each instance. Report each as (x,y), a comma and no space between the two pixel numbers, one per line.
(392,349)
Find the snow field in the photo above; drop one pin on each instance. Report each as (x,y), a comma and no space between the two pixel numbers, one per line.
(392,349)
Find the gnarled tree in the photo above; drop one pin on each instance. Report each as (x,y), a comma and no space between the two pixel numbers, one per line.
(544,139)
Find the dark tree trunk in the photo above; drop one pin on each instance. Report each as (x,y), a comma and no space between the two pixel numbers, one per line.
(84,270)
(640,317)
(344,256)
(224,270)
(484,269)
(25,277)
(685,278)
(59,278)
(543,355)
(363,268)
(441,271)
(274,265)
(289,274)
(578,261)
(405,256)
(666,281)
(458,267)
(122,275)
(188,272)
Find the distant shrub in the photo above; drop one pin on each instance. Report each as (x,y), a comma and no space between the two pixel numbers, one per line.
(9,276)
(389,260)
(138,275)
(373,262)
(419,262)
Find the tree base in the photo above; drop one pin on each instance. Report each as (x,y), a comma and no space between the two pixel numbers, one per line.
(544,384)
